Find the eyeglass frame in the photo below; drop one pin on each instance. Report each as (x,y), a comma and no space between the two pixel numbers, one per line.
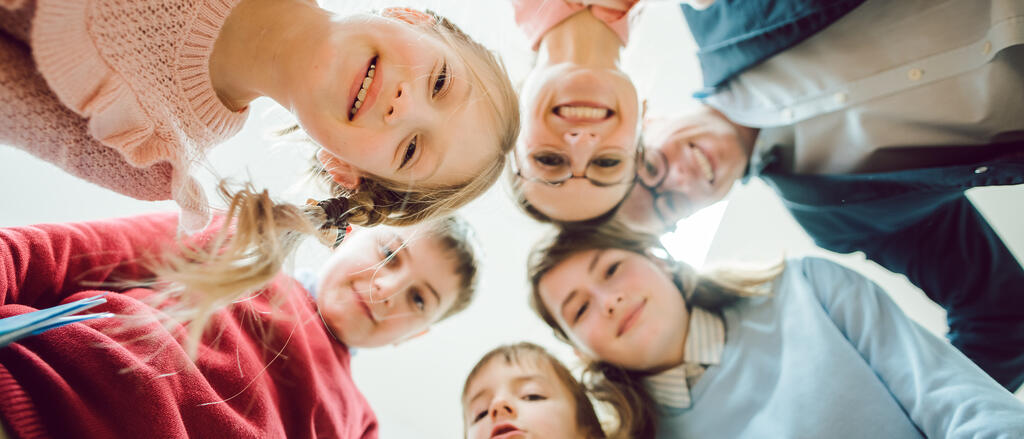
(636,169)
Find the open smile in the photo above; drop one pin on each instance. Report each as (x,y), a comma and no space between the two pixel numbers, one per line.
(364,90)
(583,112)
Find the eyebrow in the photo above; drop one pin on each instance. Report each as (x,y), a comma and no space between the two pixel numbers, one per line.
(593,261)
(590,269)
(434,292)
(408,255)
(566,301)
(517,381)
(476,396)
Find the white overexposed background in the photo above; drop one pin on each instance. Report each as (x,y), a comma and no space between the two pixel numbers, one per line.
(415,387)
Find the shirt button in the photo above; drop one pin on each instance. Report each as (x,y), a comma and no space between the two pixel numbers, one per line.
(840,98)
(986,48)
(981,169)
(915,74)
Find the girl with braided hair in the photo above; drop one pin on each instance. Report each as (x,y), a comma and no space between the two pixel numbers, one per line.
(131,95)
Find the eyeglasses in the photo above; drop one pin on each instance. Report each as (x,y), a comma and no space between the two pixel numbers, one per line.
(652,174)
(554,169)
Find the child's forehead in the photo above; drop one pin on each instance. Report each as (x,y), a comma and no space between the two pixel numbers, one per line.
(501,370)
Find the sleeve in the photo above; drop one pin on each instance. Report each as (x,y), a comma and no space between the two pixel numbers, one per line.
(942,392)
(34,120)
(41,265)
(945,247)
(536,17)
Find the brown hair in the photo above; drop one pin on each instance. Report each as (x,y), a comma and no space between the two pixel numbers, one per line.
(623,389)
(264,233)
(456,235)
(586,417)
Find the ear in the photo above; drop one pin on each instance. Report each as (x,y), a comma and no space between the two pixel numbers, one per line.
(408,15)
(411,337)
(341,172)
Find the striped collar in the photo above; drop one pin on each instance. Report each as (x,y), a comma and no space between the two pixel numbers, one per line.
(704,344)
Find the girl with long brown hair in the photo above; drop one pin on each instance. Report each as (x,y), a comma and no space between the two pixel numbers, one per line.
(807,348)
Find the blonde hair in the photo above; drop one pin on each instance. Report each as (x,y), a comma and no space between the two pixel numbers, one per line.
(586,417)
(620,388)
(264,233)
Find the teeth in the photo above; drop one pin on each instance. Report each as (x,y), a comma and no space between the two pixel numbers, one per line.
(363,89)
(704,163)
(582,112)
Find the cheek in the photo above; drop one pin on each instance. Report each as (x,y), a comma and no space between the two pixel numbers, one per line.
(589,335)
(549,420)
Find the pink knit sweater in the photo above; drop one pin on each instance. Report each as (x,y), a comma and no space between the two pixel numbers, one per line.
(536,17)
(116,92)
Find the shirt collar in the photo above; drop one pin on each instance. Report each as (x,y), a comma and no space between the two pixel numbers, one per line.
(705,342)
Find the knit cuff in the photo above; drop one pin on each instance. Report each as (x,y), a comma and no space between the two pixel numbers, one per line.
(19,414)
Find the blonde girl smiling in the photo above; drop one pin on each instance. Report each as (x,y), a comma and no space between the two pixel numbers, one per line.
(131,95)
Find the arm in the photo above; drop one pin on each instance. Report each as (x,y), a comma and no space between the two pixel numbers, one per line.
(943,245)
(41,265)
(536,17)
(943,393)
(34,120)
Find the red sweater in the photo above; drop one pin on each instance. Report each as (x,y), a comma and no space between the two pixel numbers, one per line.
(263,370)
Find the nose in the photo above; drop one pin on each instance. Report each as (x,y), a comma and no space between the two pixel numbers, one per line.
(385,288)
(502,410)
(580,137)
(610,303)
(682,173)
(405,105)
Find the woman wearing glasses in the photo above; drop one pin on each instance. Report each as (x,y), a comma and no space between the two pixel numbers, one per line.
(579,153)
(578,150)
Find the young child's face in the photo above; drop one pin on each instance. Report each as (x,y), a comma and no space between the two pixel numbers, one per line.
(519,400)
(617,306)
(423,119)
(369,300)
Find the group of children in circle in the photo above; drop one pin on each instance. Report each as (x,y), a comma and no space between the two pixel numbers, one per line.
(422,120)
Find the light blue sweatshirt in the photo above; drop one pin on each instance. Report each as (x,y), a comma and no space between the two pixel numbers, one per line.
(829,355)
